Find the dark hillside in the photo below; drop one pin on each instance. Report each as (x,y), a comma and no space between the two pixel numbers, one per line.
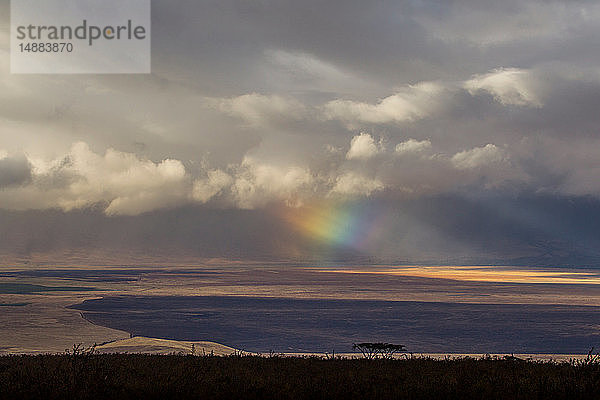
(181,377)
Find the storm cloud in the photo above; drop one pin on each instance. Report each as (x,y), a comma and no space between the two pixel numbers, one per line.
(256,105)
(14,171)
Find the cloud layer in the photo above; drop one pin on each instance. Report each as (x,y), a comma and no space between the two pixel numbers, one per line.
(248,107)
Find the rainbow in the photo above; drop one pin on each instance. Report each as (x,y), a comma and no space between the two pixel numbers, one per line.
(338,224)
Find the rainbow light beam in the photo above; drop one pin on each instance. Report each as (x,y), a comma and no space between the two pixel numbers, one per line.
(338,224)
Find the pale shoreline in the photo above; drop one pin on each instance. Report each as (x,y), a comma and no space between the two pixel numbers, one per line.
(157,346)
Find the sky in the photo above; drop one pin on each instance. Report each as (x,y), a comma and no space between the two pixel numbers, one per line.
(396,131)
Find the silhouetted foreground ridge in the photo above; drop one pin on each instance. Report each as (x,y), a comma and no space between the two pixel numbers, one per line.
(136,376)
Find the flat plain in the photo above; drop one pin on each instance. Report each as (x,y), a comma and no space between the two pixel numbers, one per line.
(258,307)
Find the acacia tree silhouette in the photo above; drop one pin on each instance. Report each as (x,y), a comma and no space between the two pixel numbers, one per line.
(375,350)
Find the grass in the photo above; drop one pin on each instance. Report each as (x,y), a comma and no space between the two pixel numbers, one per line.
(26,288)
(136,376)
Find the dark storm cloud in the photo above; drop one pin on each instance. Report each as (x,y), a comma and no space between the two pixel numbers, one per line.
(449,230)
(14,171)
(392,42)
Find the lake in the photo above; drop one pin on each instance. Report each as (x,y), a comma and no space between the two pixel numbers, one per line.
(300,325)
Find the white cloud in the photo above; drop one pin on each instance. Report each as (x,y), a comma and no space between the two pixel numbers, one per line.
(127,184)
(362,147)
(478,157)
(131,185)
(352,184)
(509,86)
(258,109)
(257,184)
(413,146)
(412,103)
(215,182)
